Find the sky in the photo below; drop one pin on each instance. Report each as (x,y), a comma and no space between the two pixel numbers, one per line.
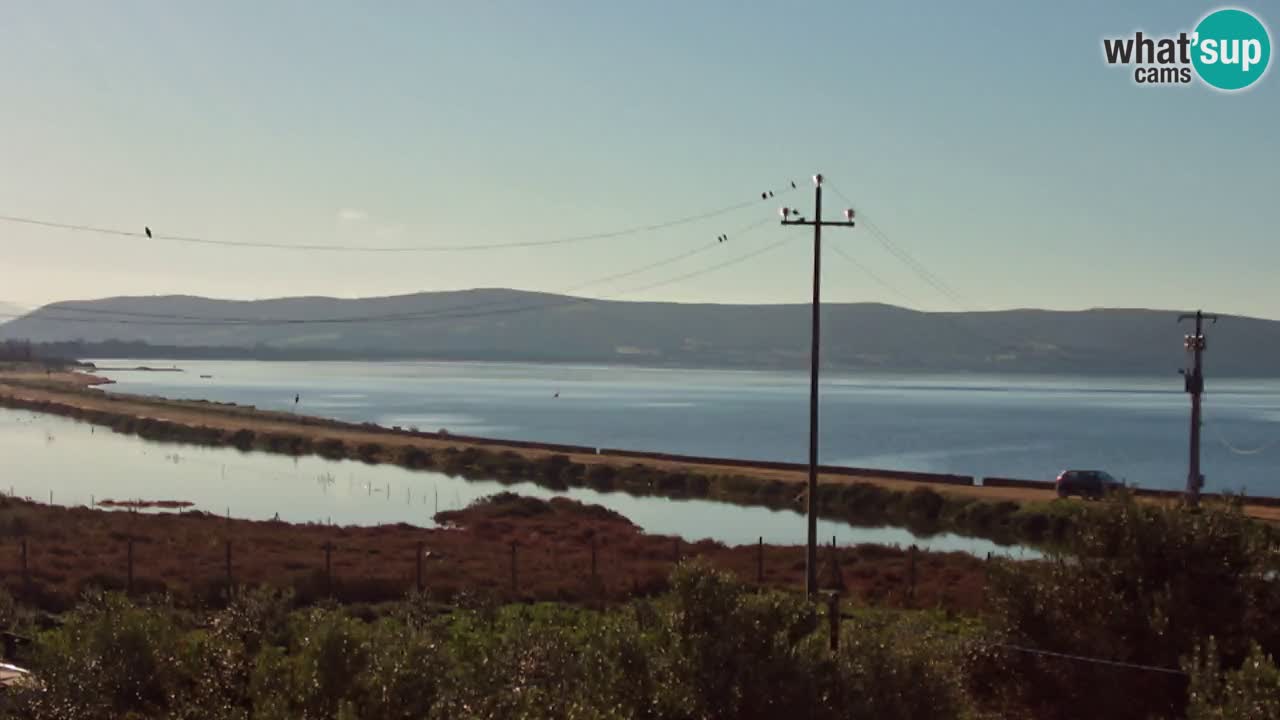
(988,140)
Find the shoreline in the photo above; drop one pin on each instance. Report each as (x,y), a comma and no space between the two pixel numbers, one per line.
(1007,514)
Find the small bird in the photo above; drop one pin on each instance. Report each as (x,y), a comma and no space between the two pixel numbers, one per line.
(764,196)
(793,184)
(148,231)
(556,395)
(770,193)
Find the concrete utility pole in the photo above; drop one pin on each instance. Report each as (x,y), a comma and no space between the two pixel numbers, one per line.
(811,506)
(1195,344)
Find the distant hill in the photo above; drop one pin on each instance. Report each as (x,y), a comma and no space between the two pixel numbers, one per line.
(517,325)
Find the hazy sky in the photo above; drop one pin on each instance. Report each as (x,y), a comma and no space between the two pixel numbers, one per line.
(989,139)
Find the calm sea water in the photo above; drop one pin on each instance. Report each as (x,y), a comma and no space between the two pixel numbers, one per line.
(80,464)
(1028,427)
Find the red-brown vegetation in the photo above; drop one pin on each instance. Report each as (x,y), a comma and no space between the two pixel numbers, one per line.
(185,555)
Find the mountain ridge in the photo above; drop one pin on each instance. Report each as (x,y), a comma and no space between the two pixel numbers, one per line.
(505,324)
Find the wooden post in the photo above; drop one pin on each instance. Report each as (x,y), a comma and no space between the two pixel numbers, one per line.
(833,619)
(129,586)
(911,576)
(593,557)
(836,580)
(231,588)
(419,564)
(760,560)
(515,586)
(328,568)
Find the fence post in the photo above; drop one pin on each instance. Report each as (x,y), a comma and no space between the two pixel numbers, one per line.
(837,577)
(231,588)
(328,568)
(419,565)
(515,586)
(833,619)
(911,576)
(129,586)
(760,560)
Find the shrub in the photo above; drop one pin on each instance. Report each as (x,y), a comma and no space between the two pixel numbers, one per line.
(333,448)
(601,477)
(1251,691)
(369,452)
(1138,583)
(109,659)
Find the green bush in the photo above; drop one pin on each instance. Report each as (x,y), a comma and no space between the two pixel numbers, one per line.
(712,648)
(1138,583)
(108,660)
(1251,691)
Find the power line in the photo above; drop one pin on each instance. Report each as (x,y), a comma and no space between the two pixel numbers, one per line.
(1087,659)
(721,266)
(906,258)
(250,321)
(1241,451)
(468,311)
(869,273)
(1235,450)
(634,230)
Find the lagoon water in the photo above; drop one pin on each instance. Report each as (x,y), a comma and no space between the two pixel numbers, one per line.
(81,464)
(1018,426)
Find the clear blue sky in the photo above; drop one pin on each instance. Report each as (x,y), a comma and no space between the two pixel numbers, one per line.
(988,138)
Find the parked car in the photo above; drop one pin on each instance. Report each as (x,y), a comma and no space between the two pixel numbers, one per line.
(1086,483)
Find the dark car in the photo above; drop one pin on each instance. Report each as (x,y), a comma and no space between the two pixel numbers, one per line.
(1086,483)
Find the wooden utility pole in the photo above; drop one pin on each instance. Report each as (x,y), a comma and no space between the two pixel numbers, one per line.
(811,504)
(1195,344)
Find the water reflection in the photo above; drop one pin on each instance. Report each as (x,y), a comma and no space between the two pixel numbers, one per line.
(87,464)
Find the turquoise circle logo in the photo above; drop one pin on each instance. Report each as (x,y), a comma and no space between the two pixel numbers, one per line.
(1232,49)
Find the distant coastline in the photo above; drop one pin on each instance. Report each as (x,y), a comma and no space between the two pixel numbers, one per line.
(517,326)
(172,353)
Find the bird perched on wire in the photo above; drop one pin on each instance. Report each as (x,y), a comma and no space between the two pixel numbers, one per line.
(148,231)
